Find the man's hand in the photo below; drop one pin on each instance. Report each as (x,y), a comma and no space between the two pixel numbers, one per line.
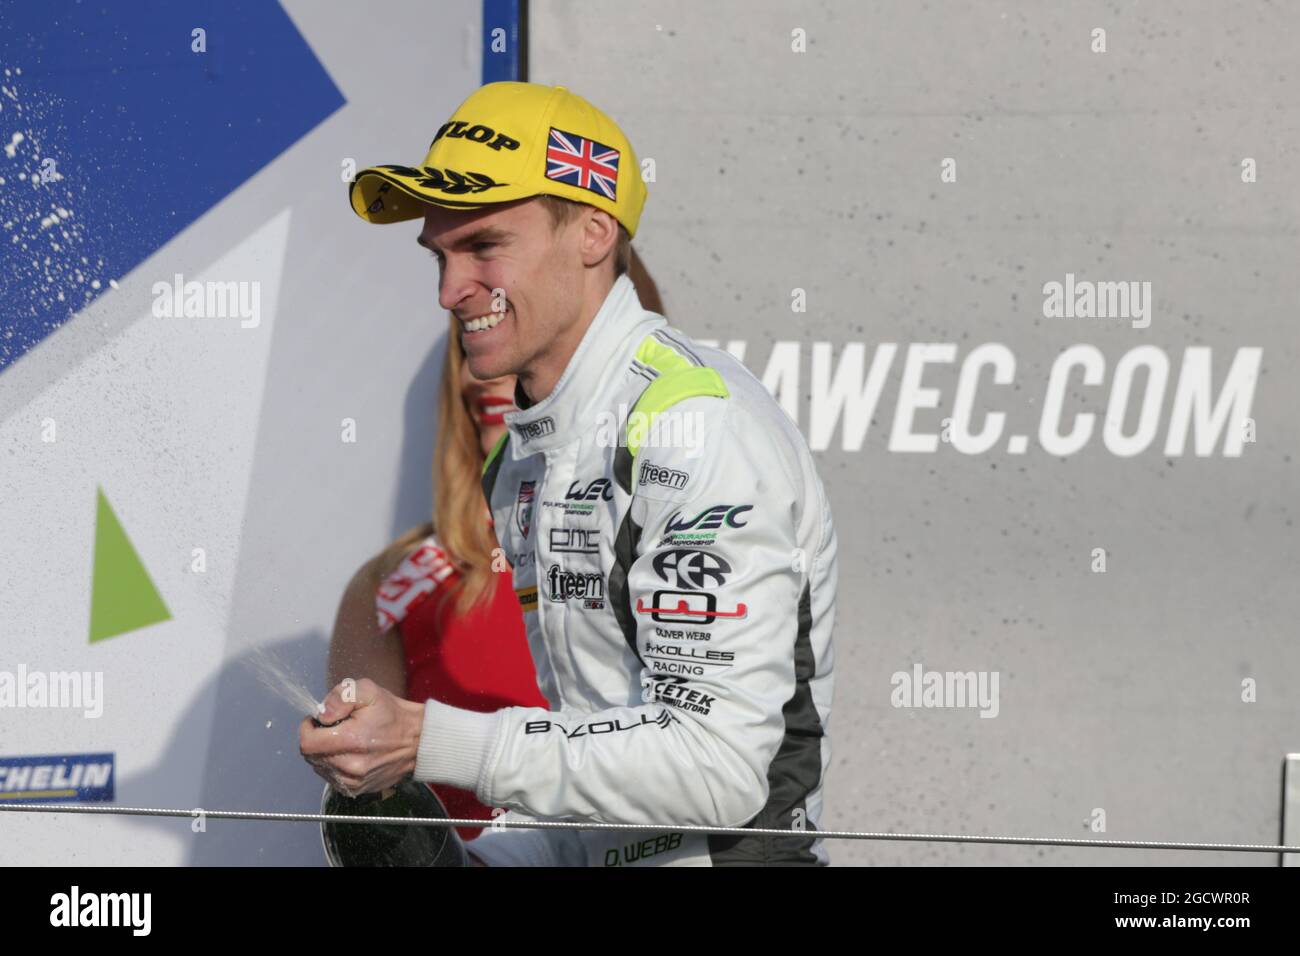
(374,748)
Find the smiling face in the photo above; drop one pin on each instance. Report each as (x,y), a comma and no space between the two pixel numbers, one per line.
(523,291)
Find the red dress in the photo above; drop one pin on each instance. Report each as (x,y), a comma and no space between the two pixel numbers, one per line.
(479,662)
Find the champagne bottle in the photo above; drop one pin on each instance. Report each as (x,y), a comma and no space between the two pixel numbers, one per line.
(375,844)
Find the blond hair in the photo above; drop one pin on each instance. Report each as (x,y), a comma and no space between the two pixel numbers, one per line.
(460,513)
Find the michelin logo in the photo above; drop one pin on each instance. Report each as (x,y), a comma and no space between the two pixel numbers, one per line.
(73,778)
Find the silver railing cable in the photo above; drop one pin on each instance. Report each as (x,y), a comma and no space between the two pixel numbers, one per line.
(499,824)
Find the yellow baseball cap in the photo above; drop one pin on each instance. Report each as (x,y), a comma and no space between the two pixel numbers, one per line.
(509,141)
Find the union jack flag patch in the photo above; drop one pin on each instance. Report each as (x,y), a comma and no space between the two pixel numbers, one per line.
(582,162)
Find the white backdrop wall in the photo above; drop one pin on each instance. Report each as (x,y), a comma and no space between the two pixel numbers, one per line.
(203,433)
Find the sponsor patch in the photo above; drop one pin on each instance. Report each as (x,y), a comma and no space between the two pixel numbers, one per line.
(652,474)
(691,569)
(704,656)
(687,607)
(572,509)
(599,489)
(661,720)
(703,528)
(676,692)
(585,586)
(524,506)
(527,598)
(710,519)
(531,431)
(575,541)
(476,133)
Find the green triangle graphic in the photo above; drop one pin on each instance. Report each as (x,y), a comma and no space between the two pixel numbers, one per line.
(122,595)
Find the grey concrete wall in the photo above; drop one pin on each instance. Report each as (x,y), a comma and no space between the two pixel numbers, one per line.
(821,170)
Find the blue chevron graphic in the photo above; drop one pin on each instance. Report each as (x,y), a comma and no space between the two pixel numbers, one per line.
(117,135)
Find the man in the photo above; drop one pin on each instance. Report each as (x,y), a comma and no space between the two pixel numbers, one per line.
(670,541)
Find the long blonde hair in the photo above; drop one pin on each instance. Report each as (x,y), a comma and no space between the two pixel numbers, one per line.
(460,515)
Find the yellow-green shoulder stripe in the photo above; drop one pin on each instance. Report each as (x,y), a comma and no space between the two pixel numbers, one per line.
(496,450)
(660,357)
(672,386)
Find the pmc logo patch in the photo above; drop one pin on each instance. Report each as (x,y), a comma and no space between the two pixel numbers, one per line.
(691,569)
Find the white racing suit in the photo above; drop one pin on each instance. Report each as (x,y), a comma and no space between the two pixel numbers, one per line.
(673,551)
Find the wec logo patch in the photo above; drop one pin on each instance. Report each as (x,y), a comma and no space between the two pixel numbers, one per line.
(710,519)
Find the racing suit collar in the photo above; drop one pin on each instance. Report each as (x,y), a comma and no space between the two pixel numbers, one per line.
(571,407)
